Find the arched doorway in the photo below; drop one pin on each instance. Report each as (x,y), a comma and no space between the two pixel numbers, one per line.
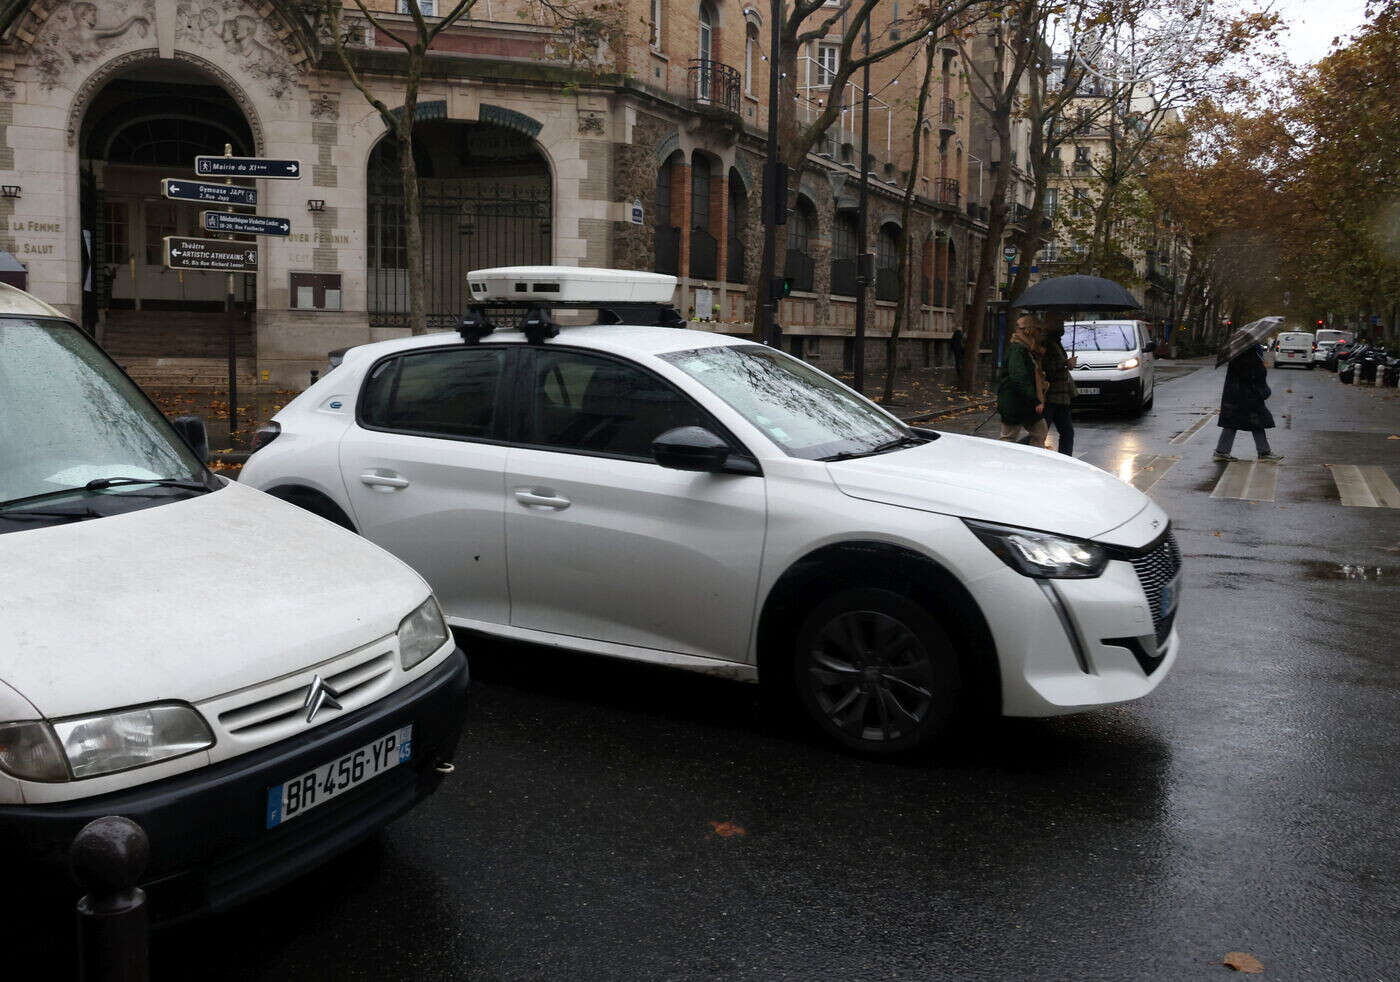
(144,125)
(486,201)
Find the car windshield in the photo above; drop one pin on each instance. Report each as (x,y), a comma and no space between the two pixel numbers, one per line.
(68,417)
(806,413)
(1100,337)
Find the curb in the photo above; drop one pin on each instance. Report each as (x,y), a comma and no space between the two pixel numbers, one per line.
(933,414)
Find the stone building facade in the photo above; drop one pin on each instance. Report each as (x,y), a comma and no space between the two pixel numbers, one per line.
(644,151)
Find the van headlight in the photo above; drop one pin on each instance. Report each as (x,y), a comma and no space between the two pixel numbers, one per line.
(1041,554)
(421,633)
(89,746)
(1127,363)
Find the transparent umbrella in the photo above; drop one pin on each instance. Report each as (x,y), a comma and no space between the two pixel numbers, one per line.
(1245,338)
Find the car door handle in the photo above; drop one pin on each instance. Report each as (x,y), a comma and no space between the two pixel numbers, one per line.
(386,481)
(541,498)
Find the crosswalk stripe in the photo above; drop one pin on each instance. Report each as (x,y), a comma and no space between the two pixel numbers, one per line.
(1193,429)
(1151,468)
(1247,480)
(1364,486)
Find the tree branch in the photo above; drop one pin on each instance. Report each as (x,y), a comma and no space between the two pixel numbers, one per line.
(374,21)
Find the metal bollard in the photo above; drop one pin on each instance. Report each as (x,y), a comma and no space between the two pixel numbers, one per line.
(108,857)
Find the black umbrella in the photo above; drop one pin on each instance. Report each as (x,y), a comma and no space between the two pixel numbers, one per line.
(1076,293)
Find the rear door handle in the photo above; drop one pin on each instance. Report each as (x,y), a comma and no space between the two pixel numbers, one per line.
(383,480)
(541,498)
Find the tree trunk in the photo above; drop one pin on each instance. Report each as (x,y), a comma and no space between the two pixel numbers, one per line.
(991,253)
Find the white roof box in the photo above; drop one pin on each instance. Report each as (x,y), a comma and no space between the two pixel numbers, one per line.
(561,285)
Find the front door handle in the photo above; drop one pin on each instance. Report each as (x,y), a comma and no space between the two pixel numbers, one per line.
(541,498)
(383,480)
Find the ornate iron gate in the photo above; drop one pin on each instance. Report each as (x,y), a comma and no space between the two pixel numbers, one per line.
(467,225)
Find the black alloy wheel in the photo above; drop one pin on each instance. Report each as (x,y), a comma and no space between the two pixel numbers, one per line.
(875,671)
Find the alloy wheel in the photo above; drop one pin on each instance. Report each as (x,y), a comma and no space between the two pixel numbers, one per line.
(871,676)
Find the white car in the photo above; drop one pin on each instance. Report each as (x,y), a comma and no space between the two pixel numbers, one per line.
(690,499)
(1116,364)
(255,687)
(1295,348)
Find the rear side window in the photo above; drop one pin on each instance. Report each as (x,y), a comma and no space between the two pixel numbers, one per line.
(591,404)
(451,392)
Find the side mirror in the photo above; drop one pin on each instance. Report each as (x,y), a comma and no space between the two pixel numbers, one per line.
(690,448)
(1149,347)
(191,430)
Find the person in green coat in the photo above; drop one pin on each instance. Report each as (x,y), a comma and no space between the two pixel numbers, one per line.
(1021,386)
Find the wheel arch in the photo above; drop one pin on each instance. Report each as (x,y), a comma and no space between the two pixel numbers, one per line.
(869,563)
(315,501)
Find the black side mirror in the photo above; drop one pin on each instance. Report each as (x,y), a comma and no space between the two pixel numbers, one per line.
(690,448)
(1149,347)
(191,430)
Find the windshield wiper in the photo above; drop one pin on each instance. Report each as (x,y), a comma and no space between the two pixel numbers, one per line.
(102,483)
(895,444)
(35,513)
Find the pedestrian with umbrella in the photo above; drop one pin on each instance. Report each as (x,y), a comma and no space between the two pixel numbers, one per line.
(1243,401)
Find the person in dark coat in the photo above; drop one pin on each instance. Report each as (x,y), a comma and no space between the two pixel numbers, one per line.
(1021,386)
(956,343)
(1060,386)
(1242,405)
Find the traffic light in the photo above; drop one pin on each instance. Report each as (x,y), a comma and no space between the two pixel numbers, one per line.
(779,287)
(1319,322)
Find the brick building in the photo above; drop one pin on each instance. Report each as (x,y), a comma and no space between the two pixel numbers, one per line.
(534,146)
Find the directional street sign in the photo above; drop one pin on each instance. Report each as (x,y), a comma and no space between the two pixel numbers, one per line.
(186,253)
(1009,254)
(283,170)
(230,221)
(214,194)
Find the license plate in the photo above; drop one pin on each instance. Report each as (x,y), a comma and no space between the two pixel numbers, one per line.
(1171,593)
(1086,390)
(316,787)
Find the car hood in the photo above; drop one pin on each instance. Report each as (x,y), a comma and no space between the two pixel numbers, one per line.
(188,600)
(995,482)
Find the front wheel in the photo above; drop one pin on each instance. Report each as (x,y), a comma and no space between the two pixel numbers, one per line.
(875,671)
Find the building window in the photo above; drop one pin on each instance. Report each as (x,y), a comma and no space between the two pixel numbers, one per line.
(798,266)
(707,33)
(656,24)
(750,45)
(388,248)
(428,8)
(887,262)
(828,62)
(114,233)
(1052,201)
(160,222)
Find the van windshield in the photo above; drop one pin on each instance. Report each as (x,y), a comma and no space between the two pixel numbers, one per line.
(68,418)
(1100,337)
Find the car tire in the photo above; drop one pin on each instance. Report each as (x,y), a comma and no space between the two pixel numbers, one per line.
(876,672)
(1150,400)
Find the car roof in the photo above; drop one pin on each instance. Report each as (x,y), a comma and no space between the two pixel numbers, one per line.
(14,302)
(620,339)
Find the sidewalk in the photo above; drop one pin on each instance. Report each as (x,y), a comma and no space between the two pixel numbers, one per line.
(922,395)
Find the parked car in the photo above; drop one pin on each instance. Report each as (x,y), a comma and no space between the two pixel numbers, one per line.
(1325,342)
(1117,364)
(700,501)
(1294,348)
(256,687)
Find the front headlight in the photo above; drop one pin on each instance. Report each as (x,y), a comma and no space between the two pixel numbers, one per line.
(130,738)
(1041,554)
(30,752)
(1127,363)
(421,633)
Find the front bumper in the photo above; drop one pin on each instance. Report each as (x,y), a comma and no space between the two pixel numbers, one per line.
(210,848)
(1115,392)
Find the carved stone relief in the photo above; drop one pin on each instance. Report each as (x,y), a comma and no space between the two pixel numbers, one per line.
(263,52)
(77,33)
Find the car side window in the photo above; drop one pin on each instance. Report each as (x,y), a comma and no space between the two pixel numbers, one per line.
(586,403)
(448,392)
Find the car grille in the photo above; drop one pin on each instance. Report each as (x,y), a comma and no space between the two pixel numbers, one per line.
(1155,569)
(354,685)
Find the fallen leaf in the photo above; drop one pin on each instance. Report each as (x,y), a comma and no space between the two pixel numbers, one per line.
(1393,437)
(1242,961)
(727,830)
(1216,534)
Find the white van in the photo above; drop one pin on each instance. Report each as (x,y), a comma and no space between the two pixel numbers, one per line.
(1116,366)
(254,686)
(1326,339)
(1295,348)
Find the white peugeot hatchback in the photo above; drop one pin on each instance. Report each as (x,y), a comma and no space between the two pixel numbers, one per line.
(254,686)
(684,498)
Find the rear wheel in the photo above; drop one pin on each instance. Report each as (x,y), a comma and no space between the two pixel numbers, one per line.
(875,671)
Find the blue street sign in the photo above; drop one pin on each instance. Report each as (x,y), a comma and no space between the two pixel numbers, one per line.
(282,170)
(214,194)
(229,221)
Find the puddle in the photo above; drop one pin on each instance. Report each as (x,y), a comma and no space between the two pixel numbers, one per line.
(1313,570)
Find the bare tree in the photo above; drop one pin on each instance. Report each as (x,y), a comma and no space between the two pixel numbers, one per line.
(400,122)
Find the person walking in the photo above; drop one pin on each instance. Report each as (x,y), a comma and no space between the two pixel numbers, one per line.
(1242,405)
(1059,391)
(1021,386)
(956,343)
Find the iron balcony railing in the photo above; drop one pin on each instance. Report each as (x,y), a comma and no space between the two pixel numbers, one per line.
(1018,214)
(947,191)
(704,255)
(714,86)
(948,118)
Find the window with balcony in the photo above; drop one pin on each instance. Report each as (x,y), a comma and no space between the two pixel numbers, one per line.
(707,33)
(828,63)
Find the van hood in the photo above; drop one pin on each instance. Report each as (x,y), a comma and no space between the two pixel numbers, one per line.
(188,600)
(993,481)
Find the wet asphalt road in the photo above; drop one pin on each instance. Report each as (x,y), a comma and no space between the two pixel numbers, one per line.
(1252,803)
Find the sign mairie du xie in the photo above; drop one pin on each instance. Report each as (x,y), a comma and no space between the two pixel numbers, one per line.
(286,170)
(186,253)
